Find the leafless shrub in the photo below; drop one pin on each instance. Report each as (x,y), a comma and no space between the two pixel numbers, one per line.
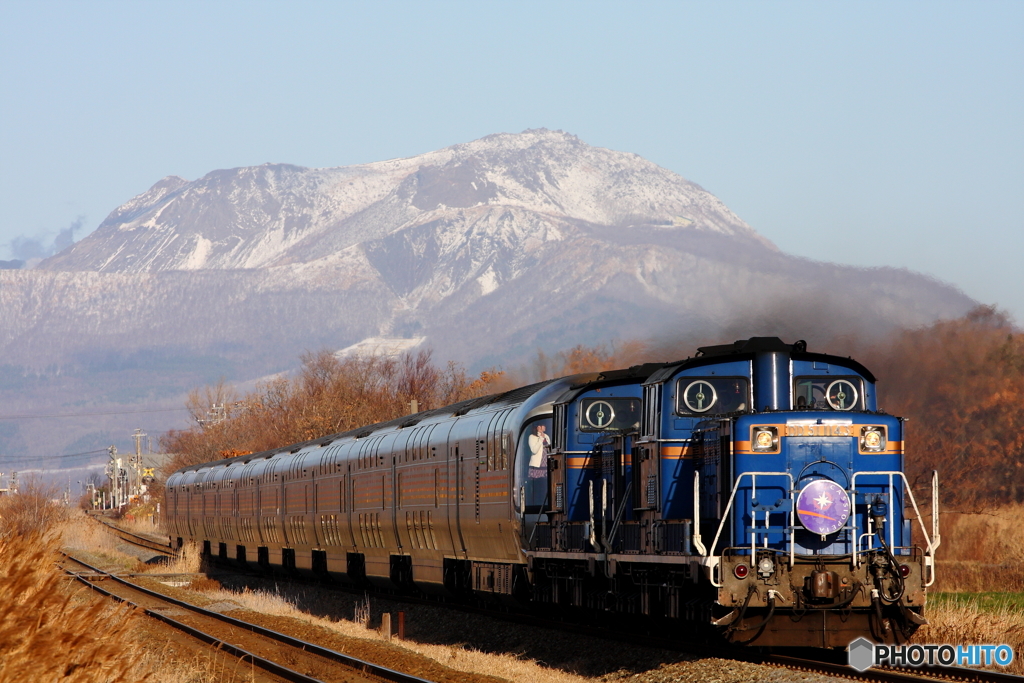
(34,509)
(328,396)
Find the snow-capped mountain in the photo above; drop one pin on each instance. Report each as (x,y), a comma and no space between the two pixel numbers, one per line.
(485,252)
(490,249)
(515,188)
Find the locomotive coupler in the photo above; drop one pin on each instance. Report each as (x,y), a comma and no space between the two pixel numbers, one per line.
(823,585)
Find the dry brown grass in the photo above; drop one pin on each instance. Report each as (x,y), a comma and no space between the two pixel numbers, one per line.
(52,631)
(82,533)
(141,524)
(966,623)
(55,629)
(32,510)
(188,561)
(982,552)
(981,555)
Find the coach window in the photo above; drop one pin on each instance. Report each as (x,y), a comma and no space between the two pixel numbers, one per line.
(532,461)
(712,395)
(828,392)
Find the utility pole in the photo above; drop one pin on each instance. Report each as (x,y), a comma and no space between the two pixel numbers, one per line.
(136,463)
(216,414)
(114,474)
(14,482)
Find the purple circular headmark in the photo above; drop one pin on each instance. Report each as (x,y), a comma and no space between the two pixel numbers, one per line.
(823,507)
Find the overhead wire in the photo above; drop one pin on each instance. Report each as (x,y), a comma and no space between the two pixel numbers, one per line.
(7,459)
(117,412)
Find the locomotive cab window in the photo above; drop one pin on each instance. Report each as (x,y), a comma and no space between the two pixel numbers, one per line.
(828,392)
(609,414)
(712,395)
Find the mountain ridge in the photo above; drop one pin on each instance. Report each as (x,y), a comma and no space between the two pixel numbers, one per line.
(268,215)
(488,250)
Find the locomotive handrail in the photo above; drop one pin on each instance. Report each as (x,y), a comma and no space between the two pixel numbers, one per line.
(890,514)
(936,536)
(732,497)
(696,516)
(931,547)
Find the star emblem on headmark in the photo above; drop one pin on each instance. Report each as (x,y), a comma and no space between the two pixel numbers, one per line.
(823,501)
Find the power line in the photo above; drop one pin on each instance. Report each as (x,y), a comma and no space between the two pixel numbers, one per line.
(37,470)
(19,458)
(120,412)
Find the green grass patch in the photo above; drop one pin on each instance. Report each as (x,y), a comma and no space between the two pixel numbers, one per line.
(985,602)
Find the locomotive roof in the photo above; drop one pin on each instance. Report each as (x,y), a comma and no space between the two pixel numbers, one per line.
(745,349)
(510,397)
(635,373)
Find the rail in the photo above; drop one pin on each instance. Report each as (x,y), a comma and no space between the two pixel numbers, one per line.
(138,540)
(351,662)
(893,674)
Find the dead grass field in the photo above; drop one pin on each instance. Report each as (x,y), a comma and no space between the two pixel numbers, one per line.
(982,551)
(52,628)
(978,596)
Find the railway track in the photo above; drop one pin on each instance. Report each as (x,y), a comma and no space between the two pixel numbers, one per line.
(136,539)
(825,665)
(892,675)
(250,643)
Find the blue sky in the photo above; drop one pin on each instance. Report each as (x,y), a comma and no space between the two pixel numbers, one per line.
(863,133)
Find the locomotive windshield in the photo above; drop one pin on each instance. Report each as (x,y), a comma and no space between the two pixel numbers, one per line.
(712,395)
(609,414)
(827,392)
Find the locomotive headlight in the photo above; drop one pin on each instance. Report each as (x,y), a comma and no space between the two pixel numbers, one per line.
(766,439)
(872,439)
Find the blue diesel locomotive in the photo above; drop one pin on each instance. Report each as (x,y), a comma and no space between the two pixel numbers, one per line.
(754,489)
